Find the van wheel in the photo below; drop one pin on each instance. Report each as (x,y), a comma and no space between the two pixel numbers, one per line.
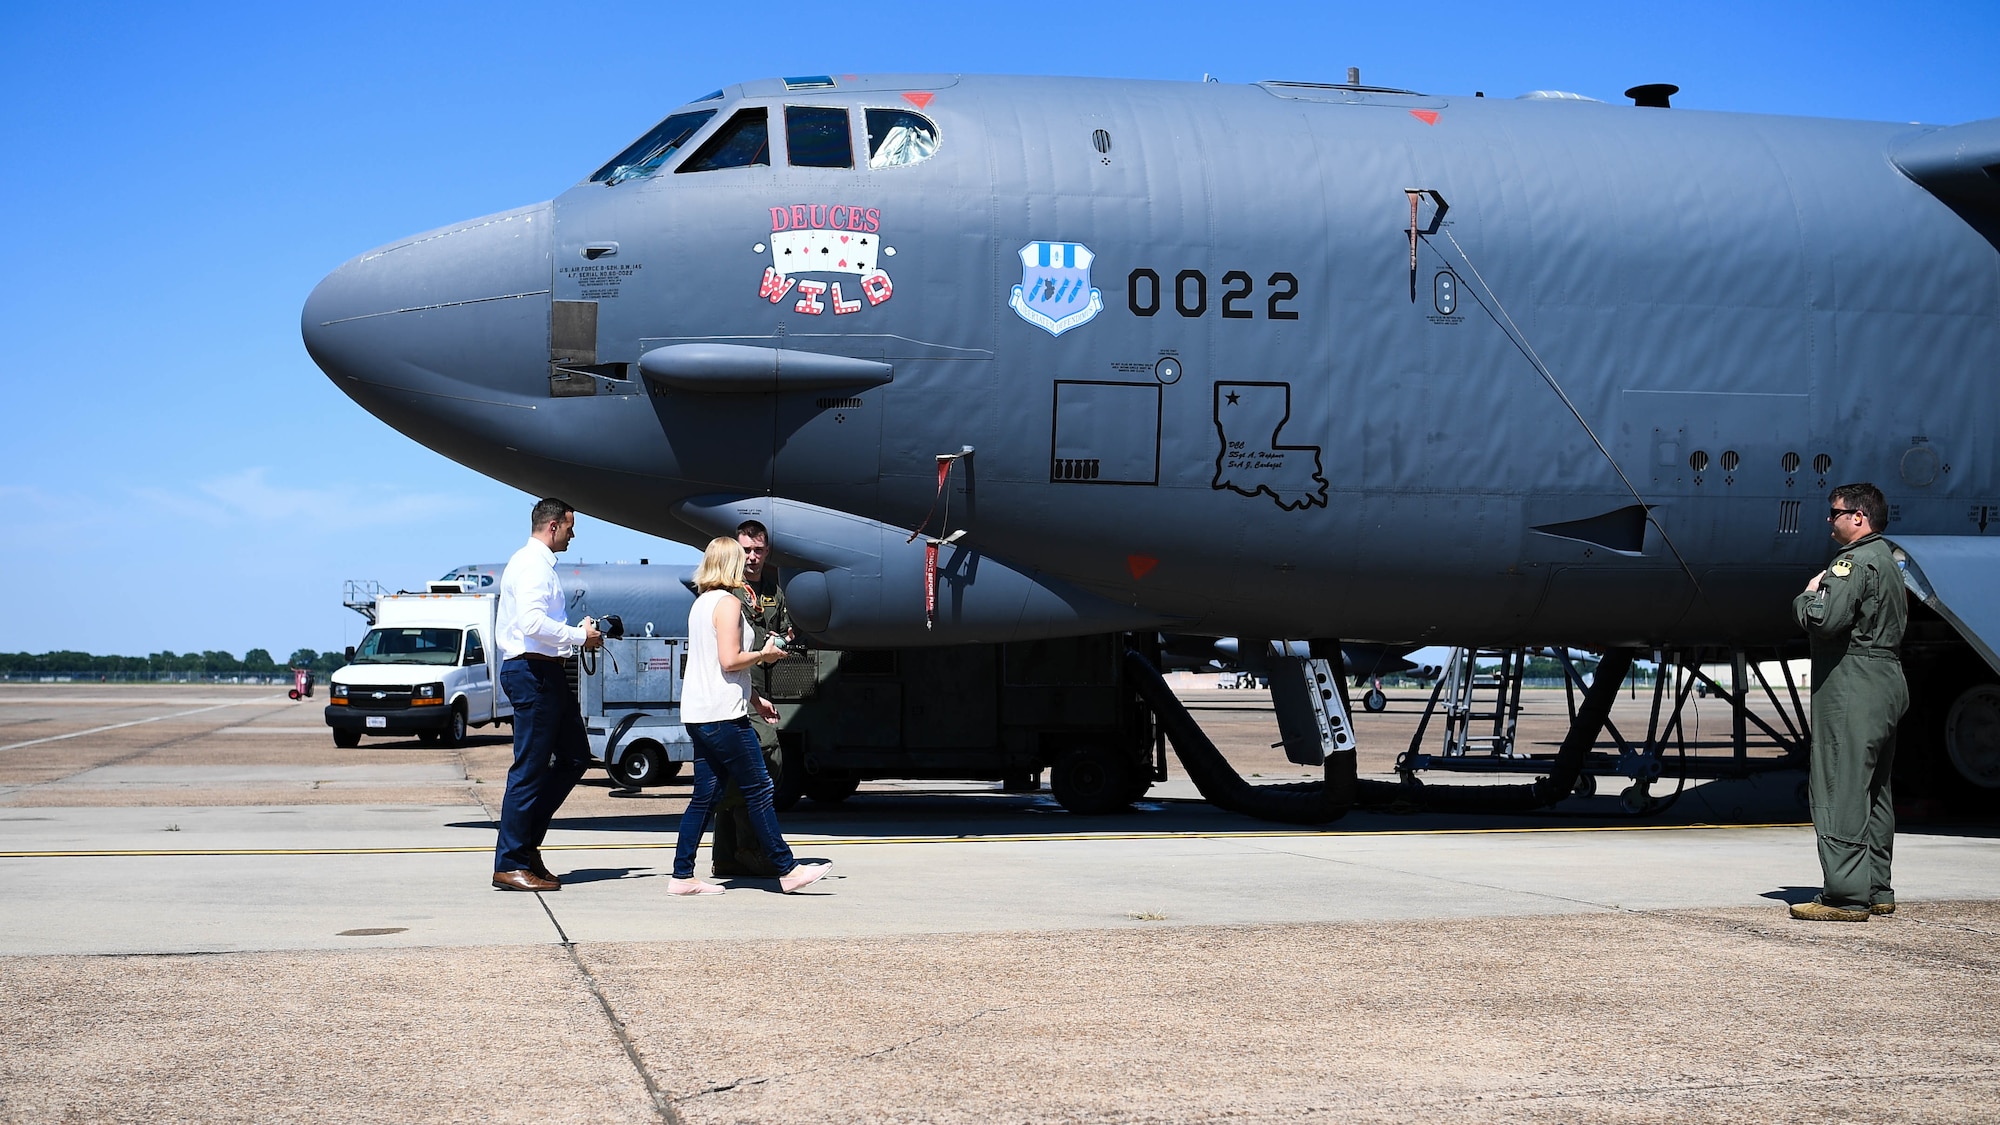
(1089,780)
(346,739)
(642,764)
(454,735)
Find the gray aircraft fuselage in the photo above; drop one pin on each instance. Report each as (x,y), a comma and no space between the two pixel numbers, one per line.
(1204,388)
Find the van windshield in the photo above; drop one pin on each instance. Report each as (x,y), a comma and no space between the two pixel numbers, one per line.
(408,646)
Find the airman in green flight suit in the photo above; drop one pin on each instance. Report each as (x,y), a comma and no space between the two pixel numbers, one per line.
(1854,612)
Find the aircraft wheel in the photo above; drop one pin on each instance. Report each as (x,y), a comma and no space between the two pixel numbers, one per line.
(1375,701)
(346,739)
(1972,737)
(642,764)
(1586,786)
(831,790)
(1089,780)
(453,734)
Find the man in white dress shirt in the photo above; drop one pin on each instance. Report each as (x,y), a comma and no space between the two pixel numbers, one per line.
(551,752)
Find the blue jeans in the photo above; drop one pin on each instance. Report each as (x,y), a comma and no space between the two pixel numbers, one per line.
(551,752)
(724,752)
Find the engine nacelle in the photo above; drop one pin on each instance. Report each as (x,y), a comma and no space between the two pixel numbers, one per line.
(857,583)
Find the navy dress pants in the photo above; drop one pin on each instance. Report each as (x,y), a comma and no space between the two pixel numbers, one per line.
(550,757)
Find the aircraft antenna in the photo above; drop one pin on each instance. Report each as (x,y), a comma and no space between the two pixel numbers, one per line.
(1501,317)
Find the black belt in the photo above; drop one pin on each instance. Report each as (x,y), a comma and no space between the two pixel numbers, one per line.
(539,656)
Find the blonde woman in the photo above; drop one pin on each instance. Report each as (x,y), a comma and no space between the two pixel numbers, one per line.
(716,698)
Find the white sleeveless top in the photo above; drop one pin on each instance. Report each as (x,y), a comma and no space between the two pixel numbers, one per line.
(709,694)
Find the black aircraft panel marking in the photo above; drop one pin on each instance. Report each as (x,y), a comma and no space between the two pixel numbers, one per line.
(1105,433)
(1190,293)
(1248,419)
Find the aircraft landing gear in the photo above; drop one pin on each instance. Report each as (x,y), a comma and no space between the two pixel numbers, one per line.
(1091,779)
(1375,702)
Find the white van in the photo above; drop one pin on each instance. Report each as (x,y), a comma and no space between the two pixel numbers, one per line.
(428,667)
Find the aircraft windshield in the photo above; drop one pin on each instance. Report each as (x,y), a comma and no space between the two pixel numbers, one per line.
(897,137)
(408,646)
(816,137)
(744,142)
(646,154)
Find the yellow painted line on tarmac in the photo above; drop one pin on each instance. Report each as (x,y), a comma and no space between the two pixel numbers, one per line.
(864,841)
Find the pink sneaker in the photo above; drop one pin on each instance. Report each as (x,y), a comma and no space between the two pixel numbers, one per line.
(803,876)
(693,887)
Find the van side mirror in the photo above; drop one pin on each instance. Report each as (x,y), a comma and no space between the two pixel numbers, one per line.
(350,654)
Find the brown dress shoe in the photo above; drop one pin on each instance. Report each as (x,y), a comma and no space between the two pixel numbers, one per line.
(523,881)
(541,869)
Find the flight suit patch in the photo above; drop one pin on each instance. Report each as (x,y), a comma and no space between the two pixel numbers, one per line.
(1841,567)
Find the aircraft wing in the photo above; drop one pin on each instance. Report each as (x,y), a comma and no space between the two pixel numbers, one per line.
(1953,574)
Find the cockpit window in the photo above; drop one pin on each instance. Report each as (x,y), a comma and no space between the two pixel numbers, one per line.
(818,137)
(714,97)
(651,151)
(646,154)
(897,137)
(745,141)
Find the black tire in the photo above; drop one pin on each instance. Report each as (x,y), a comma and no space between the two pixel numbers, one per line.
(453,735)
(639,765)
(346,739)
(1375,702)
(830,790)
(1091,780)
(1972,738)
(1586,786)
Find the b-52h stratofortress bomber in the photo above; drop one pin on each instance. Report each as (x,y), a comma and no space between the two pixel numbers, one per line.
(1004,357)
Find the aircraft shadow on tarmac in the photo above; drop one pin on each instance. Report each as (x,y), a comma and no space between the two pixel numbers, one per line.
(919,813)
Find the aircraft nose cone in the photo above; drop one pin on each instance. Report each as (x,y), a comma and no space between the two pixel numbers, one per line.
(463,304)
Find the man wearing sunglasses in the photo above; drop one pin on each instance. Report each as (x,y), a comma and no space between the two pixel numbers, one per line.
(1854,612)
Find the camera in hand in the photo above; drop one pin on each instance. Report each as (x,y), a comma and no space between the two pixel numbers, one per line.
(793,646)
(612,626)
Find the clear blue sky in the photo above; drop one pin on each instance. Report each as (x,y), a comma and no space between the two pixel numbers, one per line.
(177,474)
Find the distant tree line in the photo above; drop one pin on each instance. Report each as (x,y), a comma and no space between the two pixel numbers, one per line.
(194,665)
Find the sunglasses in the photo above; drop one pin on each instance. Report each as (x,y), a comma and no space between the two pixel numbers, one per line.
(1835,513)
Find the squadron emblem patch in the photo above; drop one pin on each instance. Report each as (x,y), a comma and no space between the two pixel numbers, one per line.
(1841,567)
(1055,294)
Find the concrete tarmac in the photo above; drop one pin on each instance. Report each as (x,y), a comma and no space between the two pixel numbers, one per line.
(213,914)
